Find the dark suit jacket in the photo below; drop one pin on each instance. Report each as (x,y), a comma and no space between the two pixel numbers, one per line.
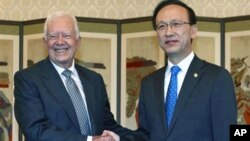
(205,108)
(45,112)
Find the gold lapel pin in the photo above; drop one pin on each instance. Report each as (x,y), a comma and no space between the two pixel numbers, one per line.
(195,75)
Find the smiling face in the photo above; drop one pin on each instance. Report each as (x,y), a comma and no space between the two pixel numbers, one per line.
(61,40)
(175,41)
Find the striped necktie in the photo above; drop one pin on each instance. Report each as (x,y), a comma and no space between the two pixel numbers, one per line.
(78,103)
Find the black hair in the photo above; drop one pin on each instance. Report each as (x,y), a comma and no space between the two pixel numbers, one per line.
(164,3)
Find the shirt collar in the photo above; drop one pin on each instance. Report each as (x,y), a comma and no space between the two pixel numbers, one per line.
(60,69)
(184,64)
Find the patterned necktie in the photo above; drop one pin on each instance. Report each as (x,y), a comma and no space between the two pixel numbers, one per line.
(171,94)
(79,106)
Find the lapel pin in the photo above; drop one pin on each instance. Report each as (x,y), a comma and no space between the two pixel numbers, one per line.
(195,75)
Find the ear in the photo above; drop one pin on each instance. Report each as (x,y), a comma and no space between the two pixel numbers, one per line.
(44,39)
(45,42)
(193,31)
(79,42)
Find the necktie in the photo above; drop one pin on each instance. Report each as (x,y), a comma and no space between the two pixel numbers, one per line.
(171,94)
(79,106)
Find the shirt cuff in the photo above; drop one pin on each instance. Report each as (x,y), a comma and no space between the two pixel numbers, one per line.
(89,138)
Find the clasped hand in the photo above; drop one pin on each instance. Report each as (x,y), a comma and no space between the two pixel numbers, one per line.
(107,136)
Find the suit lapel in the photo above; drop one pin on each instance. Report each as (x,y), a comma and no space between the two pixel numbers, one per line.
(192,77)
(53,82)
(89,92)
(159,92)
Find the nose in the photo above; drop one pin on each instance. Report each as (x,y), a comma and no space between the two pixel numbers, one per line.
(60,39)
(169,31)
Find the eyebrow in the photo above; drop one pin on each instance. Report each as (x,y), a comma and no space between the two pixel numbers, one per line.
(170,20)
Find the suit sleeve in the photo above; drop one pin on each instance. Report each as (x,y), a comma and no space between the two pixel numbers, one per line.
(31,116)
(110,123)
(143,122)
(223,106)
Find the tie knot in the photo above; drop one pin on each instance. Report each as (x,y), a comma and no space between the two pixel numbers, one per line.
(175,70)
(67,73)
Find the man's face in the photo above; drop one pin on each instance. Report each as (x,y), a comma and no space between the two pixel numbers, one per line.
(175,40)
(62,42)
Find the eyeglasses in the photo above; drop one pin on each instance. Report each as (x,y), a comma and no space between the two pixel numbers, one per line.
(173,24)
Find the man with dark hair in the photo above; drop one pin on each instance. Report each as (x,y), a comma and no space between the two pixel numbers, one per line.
(189,99)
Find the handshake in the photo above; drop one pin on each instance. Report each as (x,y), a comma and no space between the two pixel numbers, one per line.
(106,136)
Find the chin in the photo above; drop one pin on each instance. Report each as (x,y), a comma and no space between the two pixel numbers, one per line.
(171,50)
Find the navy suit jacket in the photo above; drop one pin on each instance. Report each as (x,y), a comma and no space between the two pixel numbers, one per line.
(44,111)
(205,107)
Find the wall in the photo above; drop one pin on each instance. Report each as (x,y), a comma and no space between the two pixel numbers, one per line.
(20,10)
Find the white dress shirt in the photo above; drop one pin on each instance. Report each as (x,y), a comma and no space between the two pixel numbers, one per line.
(76,78)
(184,65)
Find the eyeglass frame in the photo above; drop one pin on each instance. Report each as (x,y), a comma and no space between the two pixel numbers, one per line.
(172,24)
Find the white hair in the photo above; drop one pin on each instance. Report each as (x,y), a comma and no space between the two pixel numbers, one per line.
(55,15)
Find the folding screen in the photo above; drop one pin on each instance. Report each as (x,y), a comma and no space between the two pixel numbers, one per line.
(9,64)
(237,61)
(123,52)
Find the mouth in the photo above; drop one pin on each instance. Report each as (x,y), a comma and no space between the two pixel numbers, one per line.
(171,42)
(61,49)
